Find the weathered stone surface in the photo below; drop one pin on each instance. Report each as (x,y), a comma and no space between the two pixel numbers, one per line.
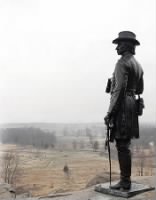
(102,178)
(136,188)
(6,191)
(90,194)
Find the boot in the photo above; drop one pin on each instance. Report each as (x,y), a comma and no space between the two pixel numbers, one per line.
(124,157)
(125,171)
(116,186)
(124,184)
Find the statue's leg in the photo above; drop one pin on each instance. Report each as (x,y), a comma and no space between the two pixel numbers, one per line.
(124,157)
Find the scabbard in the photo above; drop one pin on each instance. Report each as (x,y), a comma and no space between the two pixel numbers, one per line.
(109,154)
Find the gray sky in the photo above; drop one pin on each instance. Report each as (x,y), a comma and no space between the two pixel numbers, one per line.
(56,56)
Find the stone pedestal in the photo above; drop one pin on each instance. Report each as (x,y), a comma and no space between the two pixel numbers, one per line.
(136,188)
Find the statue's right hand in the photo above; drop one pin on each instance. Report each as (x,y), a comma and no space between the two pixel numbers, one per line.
(107,119)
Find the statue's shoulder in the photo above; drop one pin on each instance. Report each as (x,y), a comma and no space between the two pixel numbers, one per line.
(128,61)
(122,63)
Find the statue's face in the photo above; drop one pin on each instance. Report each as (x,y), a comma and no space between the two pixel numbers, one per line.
(121,48)
(125,46)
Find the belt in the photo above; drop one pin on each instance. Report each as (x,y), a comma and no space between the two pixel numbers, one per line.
(130,92)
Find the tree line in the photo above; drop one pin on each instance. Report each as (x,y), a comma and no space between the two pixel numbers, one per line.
(28,136)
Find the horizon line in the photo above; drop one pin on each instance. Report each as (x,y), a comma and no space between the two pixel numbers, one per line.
(142,122)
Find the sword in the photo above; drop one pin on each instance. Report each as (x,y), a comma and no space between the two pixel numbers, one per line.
(107,146)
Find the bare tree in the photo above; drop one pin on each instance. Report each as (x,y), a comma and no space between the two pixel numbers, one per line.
(91,142)
(82,144)
(96,145)
(74,144)
(140,160)
(9,169)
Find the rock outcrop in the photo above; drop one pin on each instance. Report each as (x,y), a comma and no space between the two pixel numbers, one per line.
(6,191)
(90,194)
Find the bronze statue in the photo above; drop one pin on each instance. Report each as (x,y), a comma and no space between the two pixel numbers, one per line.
(125,107)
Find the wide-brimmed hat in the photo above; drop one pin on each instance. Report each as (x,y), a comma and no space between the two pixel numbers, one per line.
(126,36)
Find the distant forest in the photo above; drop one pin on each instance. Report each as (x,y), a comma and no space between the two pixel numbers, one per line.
(28,136)
(147,135)
(49,136)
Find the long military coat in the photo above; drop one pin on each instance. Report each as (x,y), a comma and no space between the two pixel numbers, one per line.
(127,82)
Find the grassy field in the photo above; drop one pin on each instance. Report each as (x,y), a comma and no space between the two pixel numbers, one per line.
(41,171)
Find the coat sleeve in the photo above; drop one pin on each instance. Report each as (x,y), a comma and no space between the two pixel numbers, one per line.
(120,83)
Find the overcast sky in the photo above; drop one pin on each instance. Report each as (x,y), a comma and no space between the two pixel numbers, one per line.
(56,57)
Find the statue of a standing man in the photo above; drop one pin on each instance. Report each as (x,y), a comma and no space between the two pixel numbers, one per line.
(122,116)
